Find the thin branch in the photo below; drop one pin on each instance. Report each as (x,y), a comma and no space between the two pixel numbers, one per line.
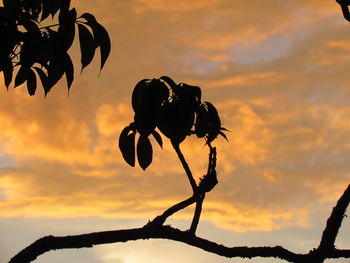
(333,223)
(197,214)
(176,147)
(159,220)
(49,243)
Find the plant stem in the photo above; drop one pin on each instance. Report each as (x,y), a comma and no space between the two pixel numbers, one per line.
(193,183)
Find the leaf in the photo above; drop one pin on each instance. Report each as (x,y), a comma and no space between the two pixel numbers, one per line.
(144,152)
(202,122)
(136,94)
(7,69)
(66,30)
(31,82)
(55,71)
(87,46)
(46,9)
(43,78)
(223,135)
(127,145)
(21,76)
(69,70)
(101,37)
(158,138)
(172,84)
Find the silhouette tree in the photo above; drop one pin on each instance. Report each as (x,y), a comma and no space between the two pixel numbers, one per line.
(42,50)
(176,111)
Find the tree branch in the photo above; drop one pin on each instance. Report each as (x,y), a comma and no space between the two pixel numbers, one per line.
(333,224)
(49,243)
(159,220)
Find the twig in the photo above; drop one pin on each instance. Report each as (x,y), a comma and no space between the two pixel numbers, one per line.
(159,220)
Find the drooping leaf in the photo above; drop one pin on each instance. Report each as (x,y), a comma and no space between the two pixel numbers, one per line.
(202,122)
(158,138)
(144,152)
(31,82)
(22,76)
(55,71)
(127,145)
(87,46)
(101,37)
(7,69)
(43,78)
(69,70)
(66,30)
(136,94)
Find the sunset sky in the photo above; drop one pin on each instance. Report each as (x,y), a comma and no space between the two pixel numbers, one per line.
(279,74)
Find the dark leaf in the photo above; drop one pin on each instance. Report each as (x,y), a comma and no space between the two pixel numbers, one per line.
(43,78)
(66,30)
(223,135)
(22,76)
(13,7)
(172,84)
(190,95)
(145,122)
(202,122)
(28,53)
(87,46)
(213,116)
(127,145)
(46,9)
(65,4)
(31,82)
(158,91)
(158,138)
(136,94)
(69,70)
(55,70)
(144,152)
(100,35)
(54,6)
(7,69)
(29,24)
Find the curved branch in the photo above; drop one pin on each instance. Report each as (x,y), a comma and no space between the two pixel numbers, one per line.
(48,243)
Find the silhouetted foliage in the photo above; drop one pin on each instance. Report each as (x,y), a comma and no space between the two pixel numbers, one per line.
(42,51)
(161,105)
(175,109)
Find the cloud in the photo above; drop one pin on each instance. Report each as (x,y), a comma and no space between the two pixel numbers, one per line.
(278,74)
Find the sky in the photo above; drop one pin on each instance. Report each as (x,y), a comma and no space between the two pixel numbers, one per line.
(277,71)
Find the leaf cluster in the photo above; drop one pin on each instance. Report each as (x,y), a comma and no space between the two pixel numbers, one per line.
(42,51)
(176,110)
